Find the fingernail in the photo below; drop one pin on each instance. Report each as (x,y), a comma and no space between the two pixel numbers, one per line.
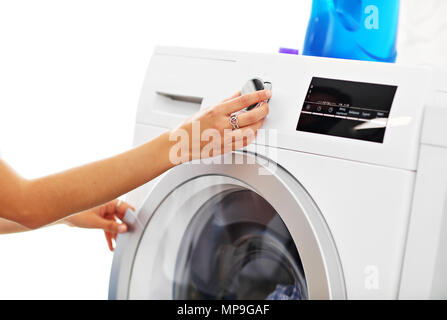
(122,228)
(268,93)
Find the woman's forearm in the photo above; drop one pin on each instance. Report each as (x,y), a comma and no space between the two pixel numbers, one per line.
(54,197)
(7,226)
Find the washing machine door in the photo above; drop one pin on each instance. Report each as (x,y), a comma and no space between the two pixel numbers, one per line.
(245,230)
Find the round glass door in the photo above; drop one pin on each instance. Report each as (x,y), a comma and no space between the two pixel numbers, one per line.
(237,247)
(217,240)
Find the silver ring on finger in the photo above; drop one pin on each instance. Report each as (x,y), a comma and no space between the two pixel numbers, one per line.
(234,121)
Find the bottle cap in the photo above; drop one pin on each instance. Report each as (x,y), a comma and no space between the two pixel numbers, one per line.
(288,51)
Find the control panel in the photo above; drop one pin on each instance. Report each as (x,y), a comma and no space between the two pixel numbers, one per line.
(355,110)
(348,109)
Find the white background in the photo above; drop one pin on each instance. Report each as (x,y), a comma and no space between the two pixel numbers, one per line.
(70,75)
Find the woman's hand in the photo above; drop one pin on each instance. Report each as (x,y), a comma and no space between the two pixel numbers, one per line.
(210,132)
(107,217)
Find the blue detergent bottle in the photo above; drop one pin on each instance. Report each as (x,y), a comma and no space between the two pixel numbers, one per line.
(353,29)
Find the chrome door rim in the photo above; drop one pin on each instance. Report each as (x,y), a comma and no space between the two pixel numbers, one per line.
(288,197)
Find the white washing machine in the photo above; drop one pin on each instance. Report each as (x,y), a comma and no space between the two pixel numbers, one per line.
(344,196)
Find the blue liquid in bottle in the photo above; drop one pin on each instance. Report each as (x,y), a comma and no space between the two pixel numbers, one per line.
(353,29)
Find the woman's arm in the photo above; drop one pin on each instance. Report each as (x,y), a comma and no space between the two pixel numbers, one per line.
(7,226)
(38,202)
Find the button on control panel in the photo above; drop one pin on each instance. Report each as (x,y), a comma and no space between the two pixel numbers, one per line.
(255,84)
(343,112)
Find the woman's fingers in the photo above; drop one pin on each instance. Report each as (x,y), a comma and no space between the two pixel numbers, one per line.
(109,240)
(241,102)
(109,224)
(115,208)
(122,208)
(237,94)
(252,116)
(241,137)
(111,206)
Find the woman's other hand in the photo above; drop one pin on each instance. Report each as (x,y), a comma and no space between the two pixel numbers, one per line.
(108,217)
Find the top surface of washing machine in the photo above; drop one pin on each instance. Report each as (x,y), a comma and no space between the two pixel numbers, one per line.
(318,207)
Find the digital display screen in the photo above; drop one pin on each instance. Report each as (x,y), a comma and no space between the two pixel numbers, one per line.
(355,110)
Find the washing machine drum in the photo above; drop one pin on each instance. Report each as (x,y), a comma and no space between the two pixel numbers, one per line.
(227,232)
(237,247)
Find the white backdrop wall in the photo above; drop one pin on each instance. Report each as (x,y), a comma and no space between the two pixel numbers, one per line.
(70,75)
